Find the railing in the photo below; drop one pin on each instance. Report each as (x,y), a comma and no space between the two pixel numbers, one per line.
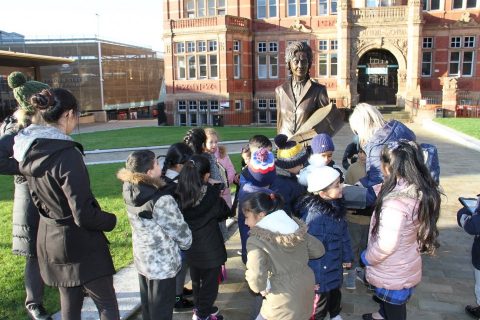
(210,22)
(466,111)
(432,99)
(380,14)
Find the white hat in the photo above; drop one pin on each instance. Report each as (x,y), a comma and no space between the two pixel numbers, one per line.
(321,177)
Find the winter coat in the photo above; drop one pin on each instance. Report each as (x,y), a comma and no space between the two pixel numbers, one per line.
(393,257)
(390,132)
(227,164)
(471,224)
(25,215)
(325,221)
(286,184)
(278,252)
(291,112)
(158,228)
(71,246)
(208,248)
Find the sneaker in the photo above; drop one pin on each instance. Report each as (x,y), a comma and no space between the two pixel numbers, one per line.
(473,311)
(350,281)
(187,292)
(337,317)
(182,304)
(214,313)
(239,252)
(37,312)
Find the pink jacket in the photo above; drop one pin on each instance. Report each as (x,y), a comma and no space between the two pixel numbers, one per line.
(228,165)
(394,256)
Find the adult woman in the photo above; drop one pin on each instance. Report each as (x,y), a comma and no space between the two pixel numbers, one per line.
(374,133)
(73,252)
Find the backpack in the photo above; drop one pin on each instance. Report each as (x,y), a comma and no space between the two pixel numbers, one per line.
(430,156)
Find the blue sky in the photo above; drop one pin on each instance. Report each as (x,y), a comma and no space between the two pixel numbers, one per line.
(136,22)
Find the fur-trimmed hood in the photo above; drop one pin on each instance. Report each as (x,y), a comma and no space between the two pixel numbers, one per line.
(278,227)
(138,188)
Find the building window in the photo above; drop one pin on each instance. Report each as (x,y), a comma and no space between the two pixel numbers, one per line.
(181,105)
(273,111)
(322,65)
(455,42)
(203,106)
(323,45)
(267,60)
(193,119)
(266,9)
(333,64)
(431,5)
(333,44)
(236,45)
(238,105)
(266,111)
(199,64)
(464,4)
(326,7)
(297,8)
(182,119)
(427,43)
(328,59)
(201,8)
(427,64)
(469,42)
(461,63)
(213,105)
(192,105)
(236,66)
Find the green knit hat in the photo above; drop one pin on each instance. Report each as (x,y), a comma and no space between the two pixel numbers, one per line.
(23,89)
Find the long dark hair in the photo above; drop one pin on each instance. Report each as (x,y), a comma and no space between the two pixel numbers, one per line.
(262,202)
(190,180)
(178,153)
(404,160)
(52,103)
(196,139)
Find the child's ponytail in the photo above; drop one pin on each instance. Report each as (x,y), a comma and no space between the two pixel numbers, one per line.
(191,180)
(263,202)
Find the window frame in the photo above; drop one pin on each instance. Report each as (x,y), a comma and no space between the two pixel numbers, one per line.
(429,63)
(295,8)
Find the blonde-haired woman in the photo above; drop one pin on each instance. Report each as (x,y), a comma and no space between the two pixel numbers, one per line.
(374,132)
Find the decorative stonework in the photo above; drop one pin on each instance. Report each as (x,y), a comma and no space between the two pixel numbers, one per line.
(402,76)
(168,48)
(299,25)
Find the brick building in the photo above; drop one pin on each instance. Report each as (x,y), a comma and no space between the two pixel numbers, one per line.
(224,58)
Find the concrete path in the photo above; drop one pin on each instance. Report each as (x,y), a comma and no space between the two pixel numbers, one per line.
(447,284)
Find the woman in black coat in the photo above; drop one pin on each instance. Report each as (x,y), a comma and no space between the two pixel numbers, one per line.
(72,249)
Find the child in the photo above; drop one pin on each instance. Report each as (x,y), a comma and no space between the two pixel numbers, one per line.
(176,156)
(358,222)
(322,155)
(471,224)
(202,209)
(259,141)
(225,167)
(290,159)
(324,214)
(404,225)
(258,176)
(158,233)
(246,154)
(278,251)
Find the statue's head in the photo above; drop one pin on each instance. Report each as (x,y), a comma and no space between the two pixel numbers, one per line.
(298,51)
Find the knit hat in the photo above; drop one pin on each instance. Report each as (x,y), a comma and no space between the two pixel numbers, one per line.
(23,90)
(322,143)
(262,168)
(321,177)
(289,153)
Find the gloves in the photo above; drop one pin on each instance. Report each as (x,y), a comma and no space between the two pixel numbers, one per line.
(462,216)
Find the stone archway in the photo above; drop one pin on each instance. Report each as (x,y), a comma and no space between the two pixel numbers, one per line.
(377,81)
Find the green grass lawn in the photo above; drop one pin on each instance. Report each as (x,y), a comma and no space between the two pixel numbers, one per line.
(469,126)
(107,189)
(156,136)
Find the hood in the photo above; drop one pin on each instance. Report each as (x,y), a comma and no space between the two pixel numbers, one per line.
(404,190)
(313,205)
(393,131)
(26,137)
(138,188)
(278,227)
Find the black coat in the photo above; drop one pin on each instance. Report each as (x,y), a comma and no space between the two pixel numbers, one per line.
(208,248)
(72,248)
(25,215)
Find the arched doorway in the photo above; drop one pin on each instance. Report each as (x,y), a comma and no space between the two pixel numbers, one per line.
(377,77)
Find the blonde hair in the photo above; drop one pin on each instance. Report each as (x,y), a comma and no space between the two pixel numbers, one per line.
(365,121)
(210,132)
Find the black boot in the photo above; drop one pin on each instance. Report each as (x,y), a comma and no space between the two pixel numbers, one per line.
(473,311)
(37,312)
(182,304)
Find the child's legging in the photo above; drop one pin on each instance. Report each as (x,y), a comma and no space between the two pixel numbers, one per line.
(205,289)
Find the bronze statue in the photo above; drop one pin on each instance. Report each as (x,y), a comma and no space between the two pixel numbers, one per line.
(303,107)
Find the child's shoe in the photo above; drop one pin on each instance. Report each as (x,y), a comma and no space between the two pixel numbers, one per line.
(337,317)
(215,313)
(182,304)
(350,281)
(473,311)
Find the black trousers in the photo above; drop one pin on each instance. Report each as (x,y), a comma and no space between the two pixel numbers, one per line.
(205,289)
(102,293)
(158,298)
(393,311)
(327,302)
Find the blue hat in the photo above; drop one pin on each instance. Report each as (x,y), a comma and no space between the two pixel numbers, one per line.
(322,143)
(262,168)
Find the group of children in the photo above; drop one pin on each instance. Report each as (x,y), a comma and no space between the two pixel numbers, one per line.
(297,236)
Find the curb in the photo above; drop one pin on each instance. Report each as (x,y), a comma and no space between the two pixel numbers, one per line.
(452,135)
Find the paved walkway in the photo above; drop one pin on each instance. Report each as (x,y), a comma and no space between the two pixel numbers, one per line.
(447,284)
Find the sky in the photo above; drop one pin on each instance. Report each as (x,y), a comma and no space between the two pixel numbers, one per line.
(135,22)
